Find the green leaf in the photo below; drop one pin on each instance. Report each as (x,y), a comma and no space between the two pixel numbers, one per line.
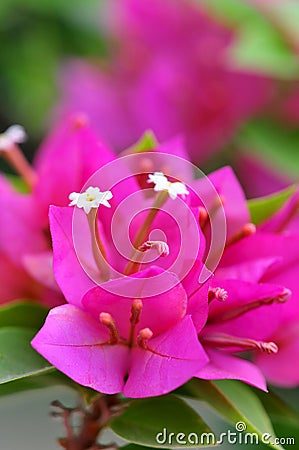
(146,143)
(284,418)
(17,358)
(18,183)
(149,422)
(31,383)
(262,41)
(273,144)
(264,207)
(22,314)
(235,402)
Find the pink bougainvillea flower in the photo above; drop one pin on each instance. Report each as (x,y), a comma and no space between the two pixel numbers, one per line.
(279,253)
(65,160)
(265,257)
(139,346)
(235,311)
(171,57)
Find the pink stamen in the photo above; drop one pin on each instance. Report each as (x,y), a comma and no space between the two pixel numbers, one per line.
(134,265)
(15,157)
(107,320)
(203,217)
(238,311)
(217,293)
(248,230)
(221,340)
(98,249)
(143,337)
(136,309)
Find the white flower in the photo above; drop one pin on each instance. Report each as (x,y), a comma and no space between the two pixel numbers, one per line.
(91,198)
(162,184)
(13,135)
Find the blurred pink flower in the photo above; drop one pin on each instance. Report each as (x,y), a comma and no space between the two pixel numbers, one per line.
(168,73)
(65,160)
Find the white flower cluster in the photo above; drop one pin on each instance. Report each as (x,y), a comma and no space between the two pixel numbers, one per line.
(91,198)
(13,135)
(162,184)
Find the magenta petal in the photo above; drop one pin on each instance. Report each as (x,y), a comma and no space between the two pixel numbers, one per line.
(251,271)
(5,186)
(40,267)
(65,161)
(68,272)
(282,368)
(159,312)
(282,220)
(74,342)
(171,359)
(15,283)
(18,226)
(227,186)
(224,366)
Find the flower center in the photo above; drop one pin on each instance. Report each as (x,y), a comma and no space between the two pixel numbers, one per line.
(143,336)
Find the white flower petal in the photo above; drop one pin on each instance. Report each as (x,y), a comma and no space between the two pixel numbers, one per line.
(91,198)
(16,133)
(162,184)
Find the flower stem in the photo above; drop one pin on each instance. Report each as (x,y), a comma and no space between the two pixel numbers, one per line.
(15,157)
(98,249)
(142,235)
(93,421)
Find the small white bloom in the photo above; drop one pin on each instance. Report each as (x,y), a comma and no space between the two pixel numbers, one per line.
(162,184)
(91,198)
(13,135)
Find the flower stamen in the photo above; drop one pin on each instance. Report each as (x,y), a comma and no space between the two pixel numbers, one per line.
(90,200)
(10,150)
(247,230)
(235,312)
(134,265)
(136,309)
(217,293)
(221,340)
(143,337)
(107,320)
